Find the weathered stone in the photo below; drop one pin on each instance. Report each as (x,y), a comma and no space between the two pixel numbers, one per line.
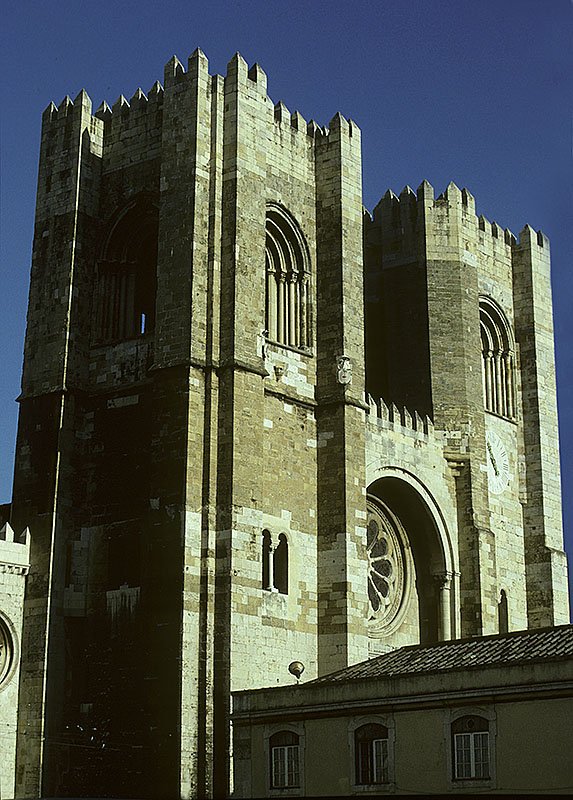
(206,484)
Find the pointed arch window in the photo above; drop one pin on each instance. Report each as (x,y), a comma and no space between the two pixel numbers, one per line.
(498,363)
(287,280)
(127,274)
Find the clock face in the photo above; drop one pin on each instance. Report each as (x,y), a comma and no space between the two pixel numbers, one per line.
(497,463)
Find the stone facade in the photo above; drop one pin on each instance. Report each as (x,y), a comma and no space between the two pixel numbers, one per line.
(227,458)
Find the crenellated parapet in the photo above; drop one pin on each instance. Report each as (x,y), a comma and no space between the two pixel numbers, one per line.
(400,419)
(400,223)
(131,131)
(14,550)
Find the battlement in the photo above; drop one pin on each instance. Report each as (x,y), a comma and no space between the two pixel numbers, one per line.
(14,550)
(394,418)
(402,216)
(141,114)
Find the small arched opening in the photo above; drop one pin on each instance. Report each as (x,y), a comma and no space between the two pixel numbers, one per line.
(281,565)
(503,613)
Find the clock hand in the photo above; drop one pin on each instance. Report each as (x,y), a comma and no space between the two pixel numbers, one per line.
(493,463)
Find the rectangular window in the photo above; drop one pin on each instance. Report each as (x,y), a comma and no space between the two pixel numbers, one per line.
(471,755)
(285,766)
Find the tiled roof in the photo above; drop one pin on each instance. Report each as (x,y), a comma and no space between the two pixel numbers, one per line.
(512,648)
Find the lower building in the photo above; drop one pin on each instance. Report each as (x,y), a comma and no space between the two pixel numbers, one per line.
(485,715)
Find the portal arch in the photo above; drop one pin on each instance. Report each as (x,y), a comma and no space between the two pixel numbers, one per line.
(428,561)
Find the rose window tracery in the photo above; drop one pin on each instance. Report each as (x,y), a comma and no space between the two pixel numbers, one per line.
(386,573)
(5,651)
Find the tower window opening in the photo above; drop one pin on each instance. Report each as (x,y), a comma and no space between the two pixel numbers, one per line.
(127,276)
(287,280)
(497,360)
(502,613)
(274,564)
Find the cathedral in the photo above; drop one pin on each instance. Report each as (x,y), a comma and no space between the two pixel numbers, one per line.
(258,425)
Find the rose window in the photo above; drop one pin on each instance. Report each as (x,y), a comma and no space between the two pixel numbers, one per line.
(5,651)
(385,565)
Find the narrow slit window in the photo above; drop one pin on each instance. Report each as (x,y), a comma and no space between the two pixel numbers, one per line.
(502,612)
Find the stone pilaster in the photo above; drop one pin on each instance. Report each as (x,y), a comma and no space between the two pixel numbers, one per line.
(545,561)
(342,572)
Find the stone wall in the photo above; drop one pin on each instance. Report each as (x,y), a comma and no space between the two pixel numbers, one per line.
(14,565)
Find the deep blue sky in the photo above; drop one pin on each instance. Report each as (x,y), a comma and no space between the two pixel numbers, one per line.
(475,91)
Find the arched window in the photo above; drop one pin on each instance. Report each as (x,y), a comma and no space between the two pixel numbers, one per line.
(275,563)
(127,275)
(281,565)
(371,754)
(285,760)
(497,360)
(287,277)
(470,748)
(502,613)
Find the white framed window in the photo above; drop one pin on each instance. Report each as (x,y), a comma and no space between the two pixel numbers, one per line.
(471,755)
(285,765)
(284,750)
(371,741)
(472,751)
(371,755)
